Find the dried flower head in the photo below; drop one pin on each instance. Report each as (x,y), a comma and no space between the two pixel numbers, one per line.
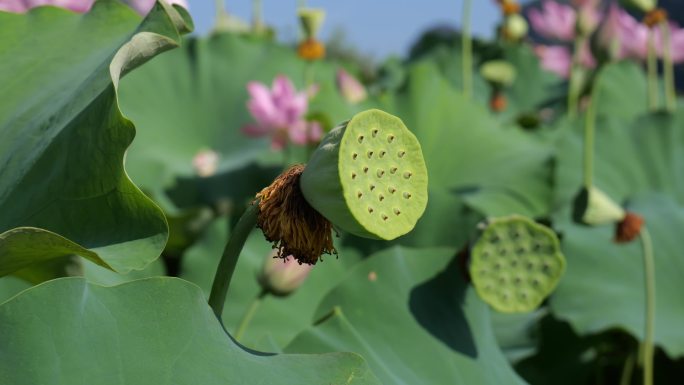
(510,7)
(498,102)
(655,17)
(628,228)
(311,49)
(290,223)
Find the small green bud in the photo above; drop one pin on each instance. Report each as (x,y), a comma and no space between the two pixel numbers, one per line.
(368,177)
(594,207)
(498,72)
(311,20)
(514,27)
(642,5)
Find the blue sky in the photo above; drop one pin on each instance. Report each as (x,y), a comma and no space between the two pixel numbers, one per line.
(376,27)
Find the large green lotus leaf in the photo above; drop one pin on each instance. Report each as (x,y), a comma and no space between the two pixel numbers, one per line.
(413,318)
(150,331)
(62,136)
(498,170)
(278,319)
(599,271)
(195,98)
(517,333)
(622,91)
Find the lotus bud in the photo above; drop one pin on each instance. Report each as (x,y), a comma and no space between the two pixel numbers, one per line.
(205,163)
(351,89)
(368,177)
(605,43)
(515,264)
(282,276)
(593,207)
(514,27)
(642,5)
(311,20)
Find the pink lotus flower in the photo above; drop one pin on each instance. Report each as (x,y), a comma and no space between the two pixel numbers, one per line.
(556,59)
(279,112)
(80,6)
(282,277)
(633,38)
(554,21)
(350,88)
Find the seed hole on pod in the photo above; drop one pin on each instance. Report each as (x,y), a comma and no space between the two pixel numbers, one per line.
(372,187)
(502,281)
(370,210)
(520,250)
(393,170)
(365,169)
(524,295)
(374,132)
(359,194)
(382,153)
(407,195)
(396,211)
(495,239)
(529,265)
(514,263)
(381,198)
(380,173)
(505,297)
(392,190)
(537,246)
(384,217)
(370,154)
(517,280)
(360,138)
(497,266)
(354,156)
(546,267)
(401,154)
(407,175)
(502,252)
(485,254)
(390,138)
(353,175)
(535,282)
(515,234)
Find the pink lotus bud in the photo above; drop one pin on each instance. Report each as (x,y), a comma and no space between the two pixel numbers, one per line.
(282,276)
(206,163)
(350,88)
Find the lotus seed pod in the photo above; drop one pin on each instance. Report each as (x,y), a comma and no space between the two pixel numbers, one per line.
(368,177)
(515,27)
(311,20)
(515,264)
(593,207)
(498,72)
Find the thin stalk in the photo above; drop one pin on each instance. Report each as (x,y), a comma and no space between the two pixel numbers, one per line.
(574,87)
(229,259)
(301,4)
(257,12)
(589,124)
(668,68)
(652,69)
(247,317)
(627,370)
(650,280)
(467,45)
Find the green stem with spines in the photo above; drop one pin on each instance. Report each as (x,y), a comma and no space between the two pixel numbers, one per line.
(231,253)
(652,70)
(648,346)
(668,68)
(249,314)
(467,46)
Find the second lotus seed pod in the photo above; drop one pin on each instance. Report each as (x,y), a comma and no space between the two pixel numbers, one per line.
(368,177)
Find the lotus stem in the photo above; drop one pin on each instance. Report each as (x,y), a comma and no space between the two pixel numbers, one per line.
(574,87)
(257,11)
(231,253)
(626,377)
(668,68)
(648,347)
(247,317)
(467,45)
(589,124)
(652,69)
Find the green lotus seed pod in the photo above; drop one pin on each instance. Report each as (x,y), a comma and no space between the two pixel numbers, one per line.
(499,72)
(515,264)
(642,5)
(593,207)
(311,20)
(368,177)
(515,27)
